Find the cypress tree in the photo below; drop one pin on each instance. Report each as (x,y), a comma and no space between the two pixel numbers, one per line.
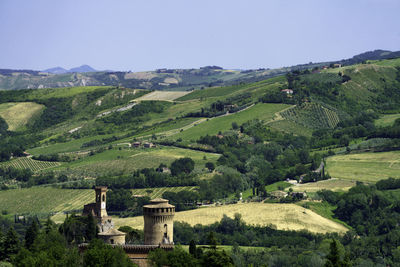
(48,226)
(91,227)
(2,254)
(333,258)
(11,244)
(192,248)
(31,234)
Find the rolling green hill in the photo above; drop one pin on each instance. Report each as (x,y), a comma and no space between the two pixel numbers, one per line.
(261,111)
(261,134)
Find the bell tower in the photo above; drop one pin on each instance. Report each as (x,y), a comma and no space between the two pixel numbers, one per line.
(101,199)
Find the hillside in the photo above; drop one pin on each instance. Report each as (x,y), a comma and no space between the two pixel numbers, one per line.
(161,79)
(293,148)
(18,115)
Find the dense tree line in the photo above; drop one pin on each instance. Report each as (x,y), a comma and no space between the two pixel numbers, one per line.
(145,178)
(182,200)
(122,201)
(373,212)
(52,246)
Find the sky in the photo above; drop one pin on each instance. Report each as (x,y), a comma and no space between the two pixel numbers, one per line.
(147,35)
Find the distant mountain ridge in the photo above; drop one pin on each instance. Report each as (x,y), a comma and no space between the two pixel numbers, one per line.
(80,69)
(162,79)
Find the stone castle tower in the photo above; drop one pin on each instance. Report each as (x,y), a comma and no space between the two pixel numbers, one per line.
(158,222)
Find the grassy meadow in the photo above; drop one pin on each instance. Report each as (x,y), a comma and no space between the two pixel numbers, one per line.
(64,91)
(333,184)
(387,120)
(18,115)
(211,127)
(254,88)
(283,216)
(365,167)
(163,95)
(325,210)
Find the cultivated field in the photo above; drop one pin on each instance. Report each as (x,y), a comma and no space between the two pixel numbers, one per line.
(28,163)
(283,216)
(127,160)
(312,115)
(163,95)
(290,127)
(44,199)
(331,184)
(365,167)
(18,115)
(159,191)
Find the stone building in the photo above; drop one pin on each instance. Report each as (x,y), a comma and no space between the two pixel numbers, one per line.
(158,227)
(158,222)
(113,236)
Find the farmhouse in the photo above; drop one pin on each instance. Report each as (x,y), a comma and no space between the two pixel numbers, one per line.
(148,145)
(158,227)
(136,144)
(287,91)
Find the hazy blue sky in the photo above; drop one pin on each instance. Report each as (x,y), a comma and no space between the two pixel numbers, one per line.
(150,34)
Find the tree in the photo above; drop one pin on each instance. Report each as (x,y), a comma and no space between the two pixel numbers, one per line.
(48,249)
(210,166)
(3,126)
(344,140)
(101,254)
(31,234)
(2,253)
(183,165)
(216,258)
(91,229)
(334,258)
(11,244)
(133,236)
(235,125)
(49,225)
(212,241)
(192,248)
(175,258)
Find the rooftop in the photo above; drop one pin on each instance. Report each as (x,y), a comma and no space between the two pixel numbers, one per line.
(159,203)
(112,232)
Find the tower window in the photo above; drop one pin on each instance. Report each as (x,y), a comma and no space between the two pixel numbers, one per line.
(104,198)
